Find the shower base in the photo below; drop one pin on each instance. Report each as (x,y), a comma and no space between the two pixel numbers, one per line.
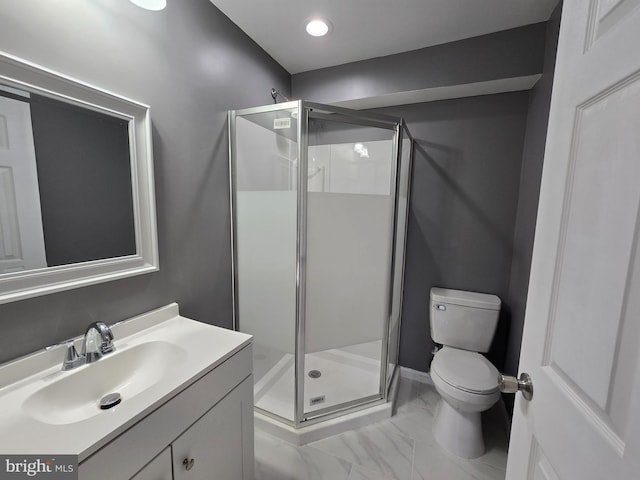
(338,376)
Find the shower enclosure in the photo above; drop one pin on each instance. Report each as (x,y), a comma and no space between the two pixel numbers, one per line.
(319,200)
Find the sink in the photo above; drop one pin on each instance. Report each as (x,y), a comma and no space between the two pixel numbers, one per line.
(159,354)
(74,397)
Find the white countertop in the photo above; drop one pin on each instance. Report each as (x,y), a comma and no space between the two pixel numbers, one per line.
(203,347)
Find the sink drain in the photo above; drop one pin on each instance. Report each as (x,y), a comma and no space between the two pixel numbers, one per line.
(315,373)
(109,401)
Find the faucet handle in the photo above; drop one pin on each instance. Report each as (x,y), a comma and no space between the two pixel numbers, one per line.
(71,359)
(106,346)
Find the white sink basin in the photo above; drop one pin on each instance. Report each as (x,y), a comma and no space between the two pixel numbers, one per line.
(157,356)
(75,397)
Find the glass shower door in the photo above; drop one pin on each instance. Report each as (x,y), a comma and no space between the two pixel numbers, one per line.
(402,218)
(351,185)
(264,188)
(319,198)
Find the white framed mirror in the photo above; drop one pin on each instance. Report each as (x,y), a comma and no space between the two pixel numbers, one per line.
(77,201)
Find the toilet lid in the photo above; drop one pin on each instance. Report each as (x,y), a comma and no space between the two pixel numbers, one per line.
(468,371)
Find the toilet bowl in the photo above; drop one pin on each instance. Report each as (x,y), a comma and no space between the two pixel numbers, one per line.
(464,323)
(467,384)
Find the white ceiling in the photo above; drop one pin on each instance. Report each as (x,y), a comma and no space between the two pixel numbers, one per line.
(372,28)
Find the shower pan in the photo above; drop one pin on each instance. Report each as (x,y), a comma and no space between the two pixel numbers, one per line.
(319,203)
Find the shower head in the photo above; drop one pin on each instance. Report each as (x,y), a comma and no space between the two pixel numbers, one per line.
(275,93)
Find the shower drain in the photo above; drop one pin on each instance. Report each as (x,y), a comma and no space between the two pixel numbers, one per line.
(315,373)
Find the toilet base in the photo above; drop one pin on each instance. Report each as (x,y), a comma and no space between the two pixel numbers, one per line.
(459,432)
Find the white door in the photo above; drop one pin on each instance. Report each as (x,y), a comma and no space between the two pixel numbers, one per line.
(21,235)
(582,326)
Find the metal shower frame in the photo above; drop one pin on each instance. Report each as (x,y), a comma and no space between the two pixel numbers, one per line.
(305,111)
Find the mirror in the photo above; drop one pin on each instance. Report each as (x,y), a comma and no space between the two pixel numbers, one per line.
(76,183)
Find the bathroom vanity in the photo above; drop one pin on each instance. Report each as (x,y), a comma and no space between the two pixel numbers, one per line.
(186,409)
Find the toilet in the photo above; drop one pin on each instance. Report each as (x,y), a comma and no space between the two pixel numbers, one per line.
(464,323)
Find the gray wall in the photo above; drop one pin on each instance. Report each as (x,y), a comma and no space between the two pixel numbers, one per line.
(475,184)
(191,64)
(510,53)
(534,147)
(462,214)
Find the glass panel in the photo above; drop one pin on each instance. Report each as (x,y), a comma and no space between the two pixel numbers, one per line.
(351,185)
(398,260)
(266,208)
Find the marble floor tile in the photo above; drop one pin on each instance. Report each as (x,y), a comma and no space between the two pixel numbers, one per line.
(399,448)
(278,460)
(432,462)
(359,473)
(374,448)
(414,425)
(416,396)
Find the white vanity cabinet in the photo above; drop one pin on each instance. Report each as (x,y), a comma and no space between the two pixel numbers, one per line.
(158,469)
(204,432)
(213,447)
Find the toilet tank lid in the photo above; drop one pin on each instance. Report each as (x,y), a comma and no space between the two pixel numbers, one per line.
(465,299)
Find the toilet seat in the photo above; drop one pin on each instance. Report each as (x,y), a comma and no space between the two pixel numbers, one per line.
(467,371)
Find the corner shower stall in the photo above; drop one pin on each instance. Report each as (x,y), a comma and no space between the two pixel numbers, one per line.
(319,200)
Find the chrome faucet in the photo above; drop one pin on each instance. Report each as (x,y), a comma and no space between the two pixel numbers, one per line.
(98,341)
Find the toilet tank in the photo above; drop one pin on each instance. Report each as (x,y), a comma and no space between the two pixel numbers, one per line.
(465,320)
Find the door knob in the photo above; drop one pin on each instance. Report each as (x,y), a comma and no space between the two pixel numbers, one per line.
(508,384)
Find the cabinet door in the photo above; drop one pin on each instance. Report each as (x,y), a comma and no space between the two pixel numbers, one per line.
(158,469)
(219,446)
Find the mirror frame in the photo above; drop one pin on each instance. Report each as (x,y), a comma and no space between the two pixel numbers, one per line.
(24,75)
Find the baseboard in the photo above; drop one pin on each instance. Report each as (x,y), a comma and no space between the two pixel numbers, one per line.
(417,375)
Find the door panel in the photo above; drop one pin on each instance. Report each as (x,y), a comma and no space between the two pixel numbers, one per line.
(605,16)
(581,330)
(21,234)
(598,235)
(540,468)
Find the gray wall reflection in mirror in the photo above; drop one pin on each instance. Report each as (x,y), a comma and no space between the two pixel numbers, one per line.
(83,180)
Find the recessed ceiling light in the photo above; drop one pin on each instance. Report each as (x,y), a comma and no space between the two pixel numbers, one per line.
(318,27)
(150,4)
